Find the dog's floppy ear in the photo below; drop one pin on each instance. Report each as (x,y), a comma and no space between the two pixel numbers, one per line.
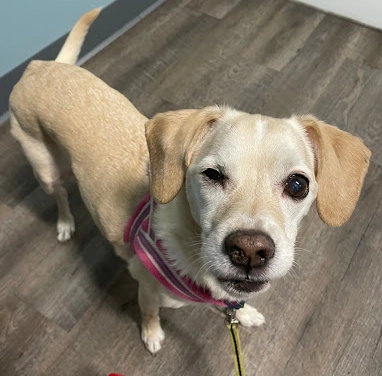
(342,161)
(171,137)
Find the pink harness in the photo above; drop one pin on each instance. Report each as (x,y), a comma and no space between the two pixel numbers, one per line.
(148,248)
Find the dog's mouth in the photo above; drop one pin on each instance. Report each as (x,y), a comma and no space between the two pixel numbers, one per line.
(243,286)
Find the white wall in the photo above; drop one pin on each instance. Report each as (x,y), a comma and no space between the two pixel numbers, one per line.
(28,26)
(368,12)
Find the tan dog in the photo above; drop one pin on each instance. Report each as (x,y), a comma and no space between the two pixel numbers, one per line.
(232,187)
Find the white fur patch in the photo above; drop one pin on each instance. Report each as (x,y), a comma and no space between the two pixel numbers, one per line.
(261,128)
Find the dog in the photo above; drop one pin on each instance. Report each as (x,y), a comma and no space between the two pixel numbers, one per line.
(228,188)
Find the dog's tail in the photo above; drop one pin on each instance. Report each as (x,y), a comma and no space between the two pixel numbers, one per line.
(72,46)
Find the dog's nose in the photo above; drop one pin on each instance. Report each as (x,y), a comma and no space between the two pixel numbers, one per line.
(249,248)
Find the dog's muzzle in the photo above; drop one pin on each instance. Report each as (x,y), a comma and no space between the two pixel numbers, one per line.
(249,251)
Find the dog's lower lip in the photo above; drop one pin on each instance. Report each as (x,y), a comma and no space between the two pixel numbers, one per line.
(244,285)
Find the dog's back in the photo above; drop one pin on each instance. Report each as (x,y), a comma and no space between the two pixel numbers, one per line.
(65,118)
(71,102)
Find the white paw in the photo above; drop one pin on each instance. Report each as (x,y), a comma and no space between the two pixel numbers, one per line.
(250,316)
(65,229)
(153,339)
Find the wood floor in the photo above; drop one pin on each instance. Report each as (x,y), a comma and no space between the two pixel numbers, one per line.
(71,309)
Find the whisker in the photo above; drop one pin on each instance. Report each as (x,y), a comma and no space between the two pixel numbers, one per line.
(197,259)
(303,250)
(210,263)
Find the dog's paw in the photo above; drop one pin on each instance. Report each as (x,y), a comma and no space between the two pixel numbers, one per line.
(65,229)
(153,339)
(250,316)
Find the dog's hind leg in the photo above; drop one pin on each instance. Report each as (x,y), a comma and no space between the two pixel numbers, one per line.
(65,222)
(46,168)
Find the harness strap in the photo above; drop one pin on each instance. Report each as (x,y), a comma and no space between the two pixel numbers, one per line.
(144,243)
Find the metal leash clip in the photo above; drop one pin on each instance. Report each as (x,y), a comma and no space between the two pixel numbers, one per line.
(231,316)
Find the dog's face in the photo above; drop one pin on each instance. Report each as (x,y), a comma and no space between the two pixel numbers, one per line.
(248,186)
(248,181)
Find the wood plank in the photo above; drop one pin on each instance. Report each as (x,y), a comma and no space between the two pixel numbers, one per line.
(190,347)
(279,41)
(299,85)
(214,8)
(367,48)
(353,105)
(28,341)
(146,54)
(216,58)
(27,232)
(59,280)
(5,212)
(16,176)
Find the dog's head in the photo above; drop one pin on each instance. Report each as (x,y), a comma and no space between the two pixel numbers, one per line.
(247,181)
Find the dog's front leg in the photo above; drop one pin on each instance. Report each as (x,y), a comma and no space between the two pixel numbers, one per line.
(152,333)
(249,316)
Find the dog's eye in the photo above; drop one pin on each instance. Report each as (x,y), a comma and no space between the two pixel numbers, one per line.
(213,174)
(297,186)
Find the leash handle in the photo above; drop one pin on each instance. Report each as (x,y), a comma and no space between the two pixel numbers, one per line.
(232,326)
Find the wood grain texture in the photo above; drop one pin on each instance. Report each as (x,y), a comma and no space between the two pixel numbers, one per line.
(71,309)
(278,41)
(214,8)
(15,173)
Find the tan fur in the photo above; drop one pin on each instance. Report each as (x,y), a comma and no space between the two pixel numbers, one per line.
(342,162)
(171,138)
(66,119)
(71,48)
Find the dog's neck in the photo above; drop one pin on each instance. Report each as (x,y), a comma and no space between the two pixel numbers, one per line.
(180,235)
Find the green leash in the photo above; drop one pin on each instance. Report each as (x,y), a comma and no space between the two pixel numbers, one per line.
(232,326)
